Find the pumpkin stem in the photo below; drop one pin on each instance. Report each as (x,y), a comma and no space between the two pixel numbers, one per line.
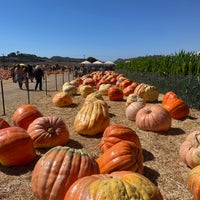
(196,141)
(50,130)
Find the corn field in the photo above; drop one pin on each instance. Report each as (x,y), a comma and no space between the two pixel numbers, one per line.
(179,63)
(179,72)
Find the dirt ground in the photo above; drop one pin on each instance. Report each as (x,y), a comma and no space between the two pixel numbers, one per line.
(161,158)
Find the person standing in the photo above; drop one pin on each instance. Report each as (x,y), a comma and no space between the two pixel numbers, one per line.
(19,75)
(39,75)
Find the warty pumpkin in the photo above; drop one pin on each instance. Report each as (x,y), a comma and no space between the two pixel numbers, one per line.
(153,117)
(92,118)
(133,98)
(69,89)
(115,133)
(24,115)
(194,182)
(57,169)
(48,131)
(62,99)
(16,147)
(115,94)
(176,107)
(148,92)
(124,155)
(103,88)
(115,186)
(85,90)
(190,149)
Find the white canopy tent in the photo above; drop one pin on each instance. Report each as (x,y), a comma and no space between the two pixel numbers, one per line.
(86,63)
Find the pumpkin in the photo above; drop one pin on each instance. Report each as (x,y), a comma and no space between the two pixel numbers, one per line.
(16,147)
(62,99)
(124,155)
(92,118)
(115,133)
(125,83)
(70,89)
(190,149)
(103,89)
(115,186)
(24,115)
(194,183)
(133,98)
(93,97)
(133,108)
(153,117)
(89,81)
(176,107)
(48,131)
(57,169)
(4,123)
(115,94)
(85,90)
(130,88)
(148,92)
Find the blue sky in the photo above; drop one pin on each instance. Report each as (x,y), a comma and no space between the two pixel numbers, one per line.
(104,29)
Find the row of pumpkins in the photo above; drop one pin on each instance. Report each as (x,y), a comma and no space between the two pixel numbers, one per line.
(68,173)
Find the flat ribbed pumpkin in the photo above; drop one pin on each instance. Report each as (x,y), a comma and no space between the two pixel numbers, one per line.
(16,147)
(153,117)
(119,185)
(124,155)
(116,133)
(57,169)
(176,107)
(92,119)
(48,131)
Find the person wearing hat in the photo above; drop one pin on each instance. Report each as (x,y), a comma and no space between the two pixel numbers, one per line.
(38,74)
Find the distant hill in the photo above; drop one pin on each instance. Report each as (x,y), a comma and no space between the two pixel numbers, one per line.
(16,58)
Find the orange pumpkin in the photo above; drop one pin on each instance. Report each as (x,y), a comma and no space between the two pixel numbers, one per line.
(16,147)
(153,117)
(48,131)
(130,88)
(57,169)
(115,94)
(125,83)
(116,133)
(190,149)
(175,106)
(62,99)
(124,155)
(24,115)
(115,186)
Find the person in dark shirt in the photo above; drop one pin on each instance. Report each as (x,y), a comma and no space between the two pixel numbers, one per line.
(39,75)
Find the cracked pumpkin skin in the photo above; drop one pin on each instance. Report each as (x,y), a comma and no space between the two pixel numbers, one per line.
(124,185)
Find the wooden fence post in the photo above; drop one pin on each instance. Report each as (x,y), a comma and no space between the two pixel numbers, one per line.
(2,95)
